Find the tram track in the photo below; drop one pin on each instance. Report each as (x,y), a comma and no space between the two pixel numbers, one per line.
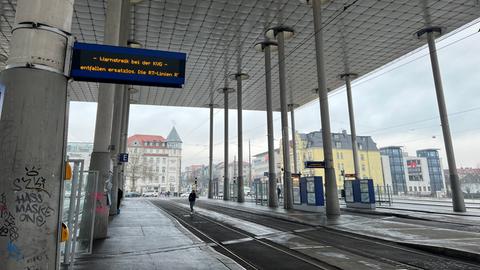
(239,245)
(381,250)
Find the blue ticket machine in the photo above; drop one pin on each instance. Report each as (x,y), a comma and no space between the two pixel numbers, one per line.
(311,194)
(360,193)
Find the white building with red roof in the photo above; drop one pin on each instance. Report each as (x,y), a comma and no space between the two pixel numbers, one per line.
(154,163)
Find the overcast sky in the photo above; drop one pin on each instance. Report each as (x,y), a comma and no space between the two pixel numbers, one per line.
(396,105)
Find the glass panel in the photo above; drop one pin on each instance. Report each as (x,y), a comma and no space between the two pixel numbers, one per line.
(311,198)
(310,185)
(348,191)
(86,213)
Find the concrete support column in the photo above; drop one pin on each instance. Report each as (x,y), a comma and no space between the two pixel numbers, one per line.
(226,179)
(124,134)
(266,47)
(356,164)
(281,33)
(331,192)
(101,156)
(287,175)
(292,107)
(118,112)
(115,146)
(457,194)
(33,135)
(210,155)
(239,77)
(240,192)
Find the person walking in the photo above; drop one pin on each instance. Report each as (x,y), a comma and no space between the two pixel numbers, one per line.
(279,192)
(191,198)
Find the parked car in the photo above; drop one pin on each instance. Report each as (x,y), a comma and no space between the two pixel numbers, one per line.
(133,194)
(150,194)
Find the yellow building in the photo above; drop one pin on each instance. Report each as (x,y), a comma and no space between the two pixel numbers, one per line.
(310,148)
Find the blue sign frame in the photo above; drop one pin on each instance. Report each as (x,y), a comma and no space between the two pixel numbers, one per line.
(123,68)
(123,157)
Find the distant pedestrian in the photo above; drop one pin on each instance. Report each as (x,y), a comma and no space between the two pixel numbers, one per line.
(191,198)
(119,200)
(279,192)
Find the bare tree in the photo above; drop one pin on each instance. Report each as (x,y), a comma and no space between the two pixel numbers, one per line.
(139,167)
(134,169)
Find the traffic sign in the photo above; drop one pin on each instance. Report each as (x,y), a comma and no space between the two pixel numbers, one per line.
(315,164)
(123,157)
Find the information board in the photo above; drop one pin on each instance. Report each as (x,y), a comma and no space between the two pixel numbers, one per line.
(296,189)
(296,195)
(311,199)
(314,164)
(365,192)
(349,191)
(122,65)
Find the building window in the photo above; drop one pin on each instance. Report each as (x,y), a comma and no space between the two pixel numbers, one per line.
(363,167)
(338,155)
(410,189)
(341,155)
(362,157)
(338,145)
(415,188)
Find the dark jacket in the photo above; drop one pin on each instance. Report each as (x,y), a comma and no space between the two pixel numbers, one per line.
(192,197)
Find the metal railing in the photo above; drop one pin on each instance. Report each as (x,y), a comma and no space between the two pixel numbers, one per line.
(79,212)
(384,195)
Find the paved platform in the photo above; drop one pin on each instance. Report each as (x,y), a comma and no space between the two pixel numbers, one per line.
(431,206)
(444,241)
(470,218)
(144,237)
